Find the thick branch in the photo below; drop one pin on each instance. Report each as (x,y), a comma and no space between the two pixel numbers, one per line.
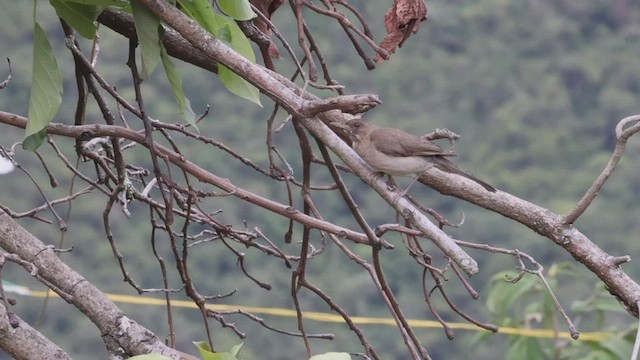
(121,334)
(25,342)
(350,104)
(552,226)
(122,23)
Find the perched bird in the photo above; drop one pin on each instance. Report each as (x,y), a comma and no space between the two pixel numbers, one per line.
(396,152)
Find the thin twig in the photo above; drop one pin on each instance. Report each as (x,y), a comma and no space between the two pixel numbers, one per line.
(632,124)
(636,344)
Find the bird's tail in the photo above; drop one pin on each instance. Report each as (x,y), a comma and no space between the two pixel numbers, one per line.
(445,165)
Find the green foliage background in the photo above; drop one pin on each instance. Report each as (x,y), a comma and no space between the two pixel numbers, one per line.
(534,87)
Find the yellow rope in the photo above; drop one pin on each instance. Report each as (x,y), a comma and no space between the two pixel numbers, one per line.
(327,317)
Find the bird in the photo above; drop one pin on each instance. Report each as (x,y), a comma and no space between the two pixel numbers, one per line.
(398,153)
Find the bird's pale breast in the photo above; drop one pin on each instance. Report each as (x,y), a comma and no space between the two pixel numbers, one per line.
(392,165)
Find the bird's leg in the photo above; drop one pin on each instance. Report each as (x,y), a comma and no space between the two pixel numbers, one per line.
(413,181)
(404,192)
(391,183)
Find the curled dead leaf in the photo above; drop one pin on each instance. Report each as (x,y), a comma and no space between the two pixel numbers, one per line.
(267,7)
(402,19)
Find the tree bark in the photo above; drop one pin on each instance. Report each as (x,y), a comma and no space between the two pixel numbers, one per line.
(121,334)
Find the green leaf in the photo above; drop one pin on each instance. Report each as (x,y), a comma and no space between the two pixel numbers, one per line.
(608,304)
(79,16)
(207,354)
(102,3)
(504,294)
(525,348)
(33,141)
(46,90)
(599,355)
(147,26)
(176,86)
(234,37)
(151,356)
(228,32)
(202,12)
(203,347)
(237,85)
(237,9)
(331,356)
(224,33)
(235,349)
(619,347)
(478,337)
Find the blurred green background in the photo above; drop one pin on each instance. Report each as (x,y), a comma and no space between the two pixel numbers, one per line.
(535,88)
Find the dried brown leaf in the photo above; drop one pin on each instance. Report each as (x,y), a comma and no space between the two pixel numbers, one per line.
(267,7)
(402,19)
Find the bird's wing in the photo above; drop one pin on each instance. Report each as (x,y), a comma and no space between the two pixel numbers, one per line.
(405,144)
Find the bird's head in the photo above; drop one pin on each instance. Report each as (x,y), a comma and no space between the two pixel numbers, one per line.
(356,128)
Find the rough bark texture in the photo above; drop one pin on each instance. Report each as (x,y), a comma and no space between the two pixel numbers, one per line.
(25,342)
(123,336)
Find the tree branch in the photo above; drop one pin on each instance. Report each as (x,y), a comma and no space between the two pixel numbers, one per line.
(290,98)
(622,136)
(25,342)
(90,131)
(539,219)
(111,322)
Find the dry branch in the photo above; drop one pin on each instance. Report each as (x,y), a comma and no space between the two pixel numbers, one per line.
(122,335)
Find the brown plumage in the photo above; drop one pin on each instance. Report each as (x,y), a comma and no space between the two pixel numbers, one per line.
(396,152)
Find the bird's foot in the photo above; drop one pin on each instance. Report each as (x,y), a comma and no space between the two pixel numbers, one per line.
(375,177)
(391,184)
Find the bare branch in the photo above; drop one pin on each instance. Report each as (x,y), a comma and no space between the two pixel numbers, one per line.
(632,125)
(25,342)
(90,131)
(92,302)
